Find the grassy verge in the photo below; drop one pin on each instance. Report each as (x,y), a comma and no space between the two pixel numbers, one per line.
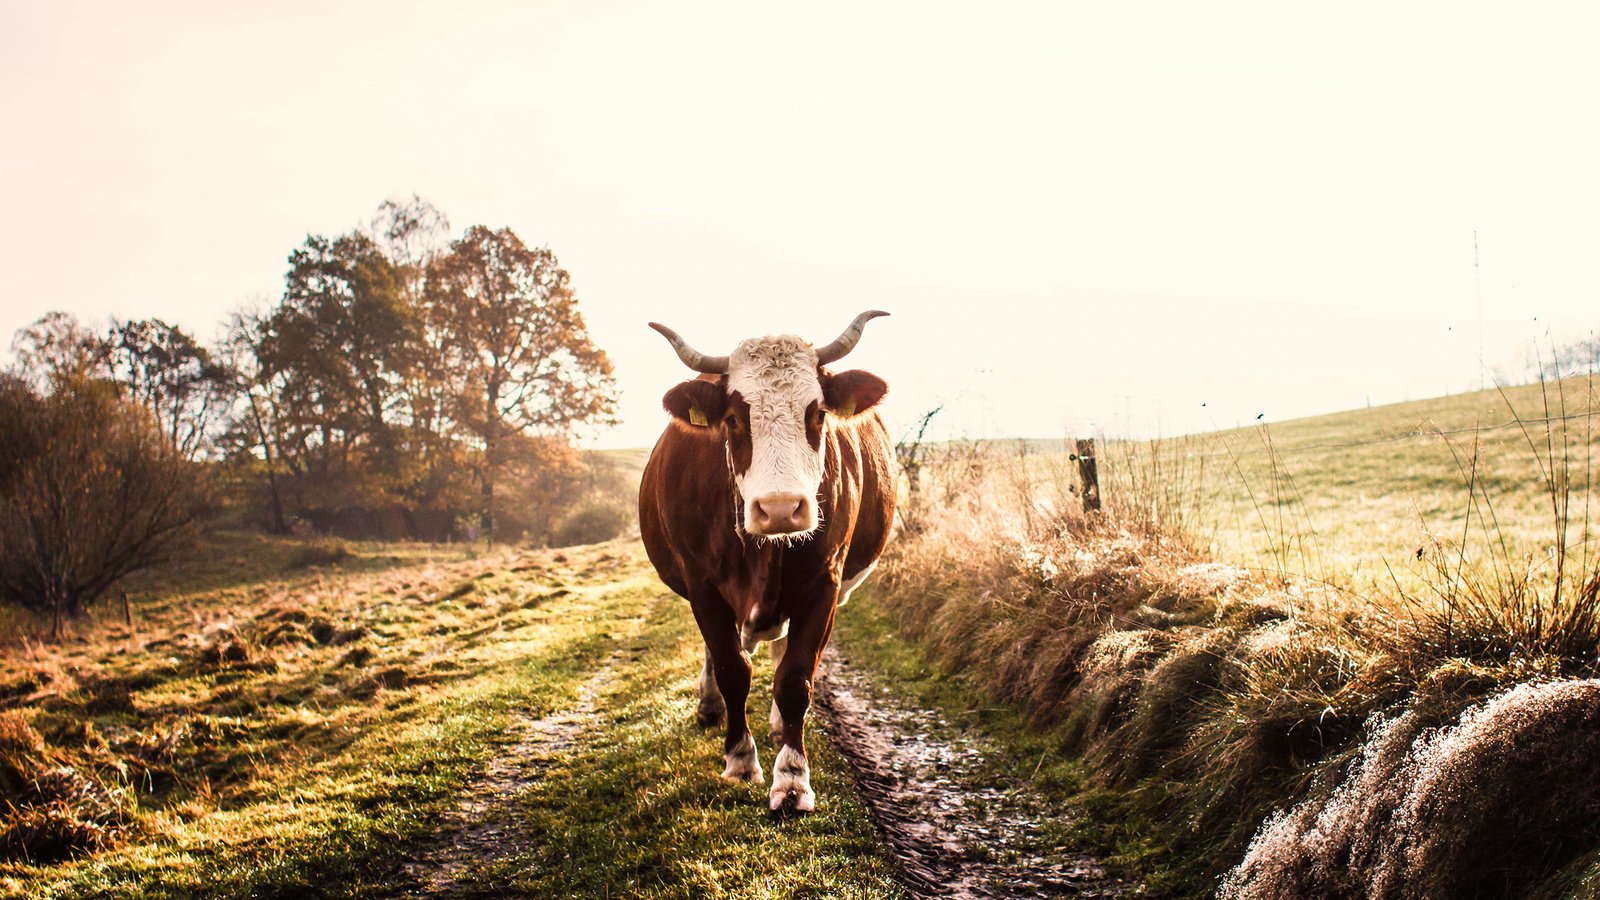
(1297,738)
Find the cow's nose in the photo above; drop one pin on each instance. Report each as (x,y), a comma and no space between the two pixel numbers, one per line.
(780,513)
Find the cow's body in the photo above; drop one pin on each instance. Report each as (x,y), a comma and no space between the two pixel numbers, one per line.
(781,586)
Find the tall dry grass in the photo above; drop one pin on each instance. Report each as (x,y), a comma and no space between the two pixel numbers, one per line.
(1267,722)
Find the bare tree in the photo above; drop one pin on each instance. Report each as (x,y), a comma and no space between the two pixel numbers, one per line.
(90,491)
(164,369)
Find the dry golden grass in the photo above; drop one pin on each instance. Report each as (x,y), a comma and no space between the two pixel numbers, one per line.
(269,728)
(239,666)
(1206,696)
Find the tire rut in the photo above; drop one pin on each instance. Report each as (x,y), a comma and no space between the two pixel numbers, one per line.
(954,829)
(476,831)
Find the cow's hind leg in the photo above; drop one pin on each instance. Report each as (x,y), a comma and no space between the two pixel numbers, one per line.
(775,718)
(711,710)
(791,773)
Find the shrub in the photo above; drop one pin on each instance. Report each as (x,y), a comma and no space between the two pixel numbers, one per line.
(90,492)
(321,551)
(592,523)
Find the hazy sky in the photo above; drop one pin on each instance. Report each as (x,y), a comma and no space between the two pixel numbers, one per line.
(1080,215)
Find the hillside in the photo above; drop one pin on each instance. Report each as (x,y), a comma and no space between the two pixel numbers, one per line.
(1353,493)
(1350,497)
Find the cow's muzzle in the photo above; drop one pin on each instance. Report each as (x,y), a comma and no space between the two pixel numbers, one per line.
(780,514)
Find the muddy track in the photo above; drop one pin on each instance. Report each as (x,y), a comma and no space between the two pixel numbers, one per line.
(955,830)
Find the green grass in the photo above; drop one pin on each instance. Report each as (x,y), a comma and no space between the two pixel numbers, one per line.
(643,813)
(325,752)
(1371,487)
(1350,497)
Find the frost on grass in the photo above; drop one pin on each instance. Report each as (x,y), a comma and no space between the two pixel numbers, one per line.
(1480,808)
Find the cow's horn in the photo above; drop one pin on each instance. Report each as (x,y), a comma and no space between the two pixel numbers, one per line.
(694,359)
(847,341)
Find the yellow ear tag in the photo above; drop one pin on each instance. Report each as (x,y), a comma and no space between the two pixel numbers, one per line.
(847,410)
(696,417)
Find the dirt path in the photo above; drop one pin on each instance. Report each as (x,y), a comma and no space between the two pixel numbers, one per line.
(476,831)
(955,829)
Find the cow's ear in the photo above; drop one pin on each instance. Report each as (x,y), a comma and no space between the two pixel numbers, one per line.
(697,403)
(853,392)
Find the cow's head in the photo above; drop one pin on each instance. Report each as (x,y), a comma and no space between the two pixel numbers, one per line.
(769,407)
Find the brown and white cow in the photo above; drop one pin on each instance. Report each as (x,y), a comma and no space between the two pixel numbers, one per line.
(765,503)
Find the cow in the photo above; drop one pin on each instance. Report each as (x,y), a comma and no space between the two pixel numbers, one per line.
(765,503)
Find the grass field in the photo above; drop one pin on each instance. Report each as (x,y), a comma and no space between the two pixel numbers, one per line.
(1351,497)
(272,729)
(287,718)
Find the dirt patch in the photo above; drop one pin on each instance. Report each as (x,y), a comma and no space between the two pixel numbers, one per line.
(475,832)
(955,829)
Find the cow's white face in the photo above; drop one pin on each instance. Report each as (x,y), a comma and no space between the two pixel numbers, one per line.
(768,402)
(774,424)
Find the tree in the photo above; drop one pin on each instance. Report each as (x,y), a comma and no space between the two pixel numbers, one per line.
(254,417)
(58,349)
(169,373)
(335,357)
(343,337)
(90,491)
(382,392)
(411,233)
(517,347)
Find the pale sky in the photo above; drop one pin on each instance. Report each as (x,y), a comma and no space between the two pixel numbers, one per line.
(1082,216)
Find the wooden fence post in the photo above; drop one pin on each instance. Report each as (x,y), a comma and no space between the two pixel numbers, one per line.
(1088,474)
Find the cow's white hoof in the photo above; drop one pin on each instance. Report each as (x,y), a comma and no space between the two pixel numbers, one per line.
(742,764)
(791,783)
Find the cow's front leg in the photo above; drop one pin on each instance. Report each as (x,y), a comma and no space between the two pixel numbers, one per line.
(731,667)
(740,762)
(791,774)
